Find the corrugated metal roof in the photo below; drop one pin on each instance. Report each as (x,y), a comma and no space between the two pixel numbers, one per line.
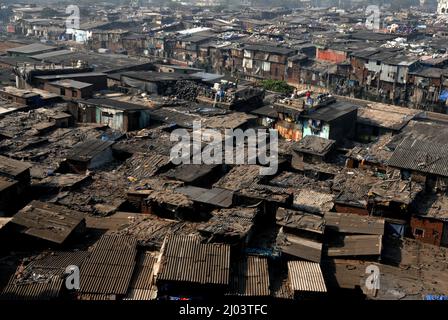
(61,260)
(250,277)
(421,155)
(110,266)
(306,276)
(186,259)
(47,290)
(86,151)
(216,196)
(145,165)
(142,284)
(42,278)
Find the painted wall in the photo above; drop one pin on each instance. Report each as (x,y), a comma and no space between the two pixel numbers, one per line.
(330,55)
(80,36)
(323,133)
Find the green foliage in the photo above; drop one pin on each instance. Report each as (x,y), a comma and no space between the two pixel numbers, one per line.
(276,86)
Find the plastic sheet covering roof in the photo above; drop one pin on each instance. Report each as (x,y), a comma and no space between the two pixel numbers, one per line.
(186,259)
(250,277)
(305,276)
(109,268)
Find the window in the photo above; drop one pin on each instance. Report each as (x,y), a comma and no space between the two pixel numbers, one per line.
(62,92)
(74,93)
(378,63)
(419,233)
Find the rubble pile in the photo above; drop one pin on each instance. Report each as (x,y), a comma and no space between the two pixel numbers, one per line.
(186,90)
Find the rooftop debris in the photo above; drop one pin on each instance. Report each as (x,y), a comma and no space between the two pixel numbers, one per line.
(48,221)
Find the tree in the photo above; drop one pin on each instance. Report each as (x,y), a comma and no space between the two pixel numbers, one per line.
(276,86)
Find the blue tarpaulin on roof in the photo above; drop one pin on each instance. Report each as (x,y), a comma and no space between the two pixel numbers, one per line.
(395,229)
(444,95)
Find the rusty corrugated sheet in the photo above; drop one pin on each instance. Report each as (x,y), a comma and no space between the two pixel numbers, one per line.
(250,277)
(306,276)
(186,259)
(46,290)
(142,285)
(42,278)
(109,268)
(145,165)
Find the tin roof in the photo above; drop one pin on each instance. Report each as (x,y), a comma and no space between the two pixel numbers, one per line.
(42,278)
(216,196)
(250,277)
(186,259)
(142,285)
(109,268)
(306,276)
(421,155)
(86,151)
